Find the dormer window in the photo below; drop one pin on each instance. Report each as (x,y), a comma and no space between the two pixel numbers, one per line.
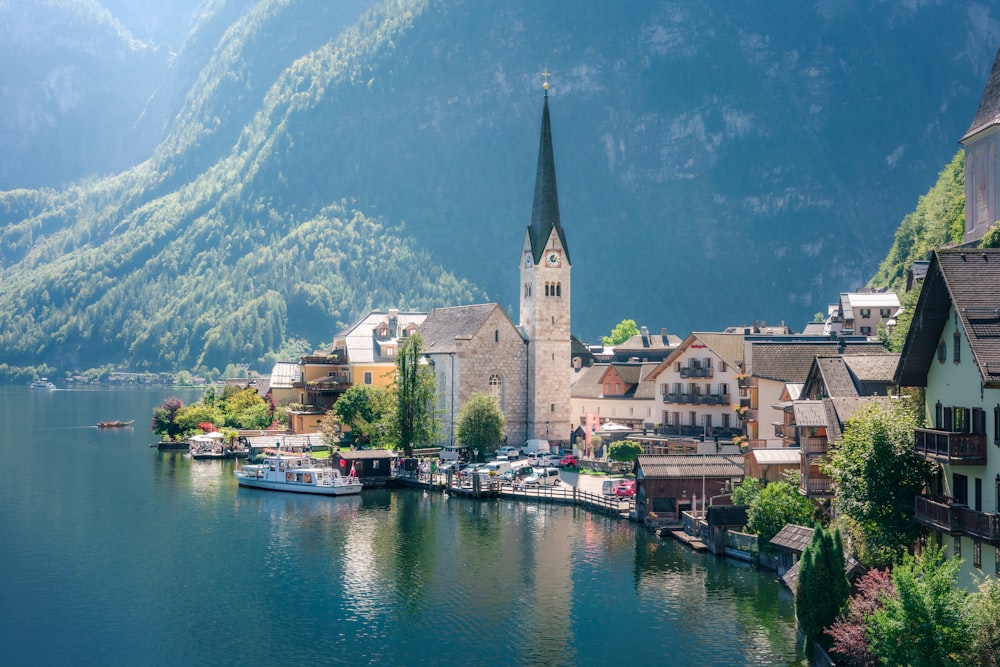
(383,331)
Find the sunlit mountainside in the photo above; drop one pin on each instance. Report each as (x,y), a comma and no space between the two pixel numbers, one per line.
(245,181)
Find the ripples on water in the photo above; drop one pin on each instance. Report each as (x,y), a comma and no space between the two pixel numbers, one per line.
(133,556)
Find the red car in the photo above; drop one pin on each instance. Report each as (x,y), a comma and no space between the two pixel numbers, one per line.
(625,488)
(569,461)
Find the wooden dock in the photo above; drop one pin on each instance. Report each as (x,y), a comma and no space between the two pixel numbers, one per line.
(689,540)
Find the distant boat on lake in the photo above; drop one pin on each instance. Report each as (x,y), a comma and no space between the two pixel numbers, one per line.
(42,384)
(115,424)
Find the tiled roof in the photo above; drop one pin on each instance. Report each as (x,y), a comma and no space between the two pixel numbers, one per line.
(790,361)
(872,367)
(443,326)
(969,280)
(793,537)
(587,382)
(359,341)
(871,299)
(809,413)
(989,106)
(684,466)
(729,347)
(640,343)
(836,376)
(647,387)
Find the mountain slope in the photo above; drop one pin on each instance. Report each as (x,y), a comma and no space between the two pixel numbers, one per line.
(715,166)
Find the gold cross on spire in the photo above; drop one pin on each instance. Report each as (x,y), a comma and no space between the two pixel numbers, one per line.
(545,77)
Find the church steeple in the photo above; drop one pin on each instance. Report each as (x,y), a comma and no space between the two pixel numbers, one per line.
(545,208)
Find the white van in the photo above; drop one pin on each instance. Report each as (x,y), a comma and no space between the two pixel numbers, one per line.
(609,485)
(543,477)
(494,469)
(536,447)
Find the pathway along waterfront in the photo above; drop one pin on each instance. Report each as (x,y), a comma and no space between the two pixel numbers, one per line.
(118,554)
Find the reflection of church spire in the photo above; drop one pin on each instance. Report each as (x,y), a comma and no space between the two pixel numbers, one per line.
(545,209)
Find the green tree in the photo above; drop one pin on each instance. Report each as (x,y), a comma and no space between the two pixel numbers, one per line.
(819,316)
(480,422)
(777,504)
(364,409)
(876,476)
(624,450)
(822,589)
(415,420)
(984,612)
(621,333)
(991,239)
(745,492)
(927,624)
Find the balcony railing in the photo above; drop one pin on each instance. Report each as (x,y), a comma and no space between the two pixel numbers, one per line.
(950,447)
(815,487)
(691,372)
(953,518)
(698,399)
(814,445)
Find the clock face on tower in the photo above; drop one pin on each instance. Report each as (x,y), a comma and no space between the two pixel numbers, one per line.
(552,259)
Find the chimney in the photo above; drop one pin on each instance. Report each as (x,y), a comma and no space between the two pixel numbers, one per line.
(394,323)
(645,336)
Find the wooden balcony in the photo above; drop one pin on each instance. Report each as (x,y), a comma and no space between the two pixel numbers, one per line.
(814,445)
(817,487)
(957,519)
(692,372)
(950,447)
(697,399)
(786,431)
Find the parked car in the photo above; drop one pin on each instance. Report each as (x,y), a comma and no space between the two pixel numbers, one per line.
(570,461)
(493,469)
(511,453)
(625,488)
(518,475)
(543,477)
(609,485)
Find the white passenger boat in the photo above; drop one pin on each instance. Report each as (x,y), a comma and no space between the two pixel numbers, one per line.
(42,384)
(298,474)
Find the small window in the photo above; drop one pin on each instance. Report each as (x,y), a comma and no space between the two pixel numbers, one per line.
(942,351)
(496,336)
(368,377)
(866,313)
(956,348)
(552,407)
(866,331)
(884,313)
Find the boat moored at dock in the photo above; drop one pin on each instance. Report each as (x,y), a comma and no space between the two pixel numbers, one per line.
(298,474)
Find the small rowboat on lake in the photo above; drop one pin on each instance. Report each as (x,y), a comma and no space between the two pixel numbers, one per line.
(115,424)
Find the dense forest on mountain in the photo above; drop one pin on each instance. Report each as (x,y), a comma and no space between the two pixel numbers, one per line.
(307,161)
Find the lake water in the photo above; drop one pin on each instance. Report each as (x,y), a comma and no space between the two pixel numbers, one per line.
(113,553)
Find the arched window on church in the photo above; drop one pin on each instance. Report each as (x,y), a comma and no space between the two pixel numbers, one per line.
(527,290)
(496,389)
(558,289)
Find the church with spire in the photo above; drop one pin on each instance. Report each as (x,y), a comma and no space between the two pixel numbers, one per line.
(526,366)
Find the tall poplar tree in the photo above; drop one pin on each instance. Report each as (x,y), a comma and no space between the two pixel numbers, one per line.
(415,420)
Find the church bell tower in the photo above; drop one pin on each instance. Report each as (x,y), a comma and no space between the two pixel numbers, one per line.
(545,302)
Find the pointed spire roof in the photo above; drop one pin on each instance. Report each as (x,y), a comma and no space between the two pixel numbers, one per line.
(545,209)
(989,107)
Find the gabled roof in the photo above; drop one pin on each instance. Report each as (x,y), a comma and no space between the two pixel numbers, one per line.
(284,374)
(588,383)
(545,207)
(989,106)
(726,346)
(968,280)
(841,409)
(793,537)
(359,342)
(836,376)
(645,342)
(443,327)
(872,367)
(790,361)
(684,466)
